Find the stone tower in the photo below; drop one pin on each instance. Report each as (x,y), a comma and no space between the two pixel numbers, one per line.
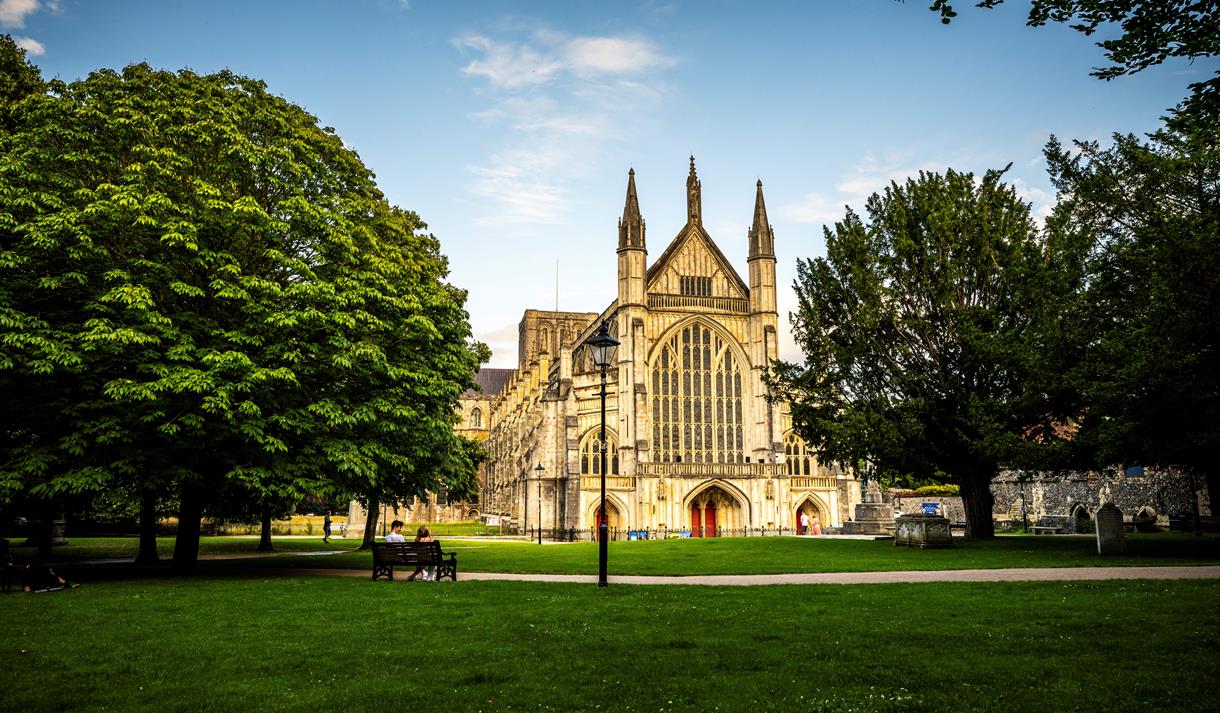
(764,323)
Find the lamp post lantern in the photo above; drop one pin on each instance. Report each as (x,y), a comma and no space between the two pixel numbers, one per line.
(602,346)
(538,474)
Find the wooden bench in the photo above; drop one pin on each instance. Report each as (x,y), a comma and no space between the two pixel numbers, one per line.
(388,555)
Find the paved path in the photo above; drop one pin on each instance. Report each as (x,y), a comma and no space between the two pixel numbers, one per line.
(1033,574)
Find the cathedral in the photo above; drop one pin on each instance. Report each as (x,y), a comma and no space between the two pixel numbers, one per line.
(692,443)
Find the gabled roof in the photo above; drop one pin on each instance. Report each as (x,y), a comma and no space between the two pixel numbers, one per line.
(688,233)
(491,381)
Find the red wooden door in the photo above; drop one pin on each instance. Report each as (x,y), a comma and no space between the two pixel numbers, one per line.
(709,521)
(597,527)
(696,529)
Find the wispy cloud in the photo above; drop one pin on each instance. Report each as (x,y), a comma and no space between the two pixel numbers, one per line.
(873,174)
(30,45)
(14,12)
(560,99)
(870,175)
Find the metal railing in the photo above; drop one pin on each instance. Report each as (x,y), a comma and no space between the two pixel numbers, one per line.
(619,534)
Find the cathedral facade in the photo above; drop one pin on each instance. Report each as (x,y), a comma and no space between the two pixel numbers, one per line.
(692,443)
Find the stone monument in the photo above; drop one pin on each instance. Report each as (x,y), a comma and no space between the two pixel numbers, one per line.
(1110,539)
(873,517)
(919,530)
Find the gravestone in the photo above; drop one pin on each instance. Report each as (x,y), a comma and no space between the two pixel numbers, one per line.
(918,530)
(1110,539)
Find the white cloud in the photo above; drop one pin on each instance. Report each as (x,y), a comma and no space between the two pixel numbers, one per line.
(507,65)
(614,55)
(519,182)
(560,100)
(30,45)
(14,12)
(814,208)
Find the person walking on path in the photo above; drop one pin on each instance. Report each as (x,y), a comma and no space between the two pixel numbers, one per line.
(423,534)
(326,527)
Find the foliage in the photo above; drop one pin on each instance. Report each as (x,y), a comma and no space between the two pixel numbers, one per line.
(19,78)
(270,644)
(1145,333)
(1152,32)
(938,490)
(201,288)
(920,330)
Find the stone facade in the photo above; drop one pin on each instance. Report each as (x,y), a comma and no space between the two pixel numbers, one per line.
(691,440)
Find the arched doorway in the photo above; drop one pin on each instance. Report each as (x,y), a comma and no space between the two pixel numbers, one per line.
(713,511)
(613,522)
(814,511)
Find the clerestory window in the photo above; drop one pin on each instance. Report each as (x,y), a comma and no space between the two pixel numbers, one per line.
(798,456)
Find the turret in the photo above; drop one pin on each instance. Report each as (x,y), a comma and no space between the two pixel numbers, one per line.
(762,259)
(632,253)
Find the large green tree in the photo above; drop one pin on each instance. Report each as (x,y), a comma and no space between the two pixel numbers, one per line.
(919,329)
(1145,335)
(203,286)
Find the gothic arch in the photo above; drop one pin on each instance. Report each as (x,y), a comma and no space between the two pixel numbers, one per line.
(699,385)
(590,463)
(716,505)
(798,457)
(681,324)
(476,417)
(614,504)
(813,505)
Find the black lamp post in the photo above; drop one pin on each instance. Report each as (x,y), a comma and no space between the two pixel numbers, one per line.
(538,474)
(602,345)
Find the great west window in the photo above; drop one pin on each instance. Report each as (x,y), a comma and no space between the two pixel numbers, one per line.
(697,400)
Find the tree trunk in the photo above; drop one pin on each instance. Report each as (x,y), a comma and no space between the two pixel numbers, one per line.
(370,524)
(977,500)
(1212,477)
(46,533)
(148,529)
(186,543)
(264,538)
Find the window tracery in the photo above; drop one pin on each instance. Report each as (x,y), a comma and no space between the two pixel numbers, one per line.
(590,455)
(697,399)
(798,456)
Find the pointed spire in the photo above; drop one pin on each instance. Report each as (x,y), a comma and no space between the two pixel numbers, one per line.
(631,225)
(762,237)
(694,198)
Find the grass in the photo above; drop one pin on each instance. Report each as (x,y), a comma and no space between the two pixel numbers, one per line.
(317,643)
(776,555)
(758,555)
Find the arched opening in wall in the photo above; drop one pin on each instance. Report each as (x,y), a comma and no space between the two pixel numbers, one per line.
(476,417)
(713,511)
(590,454)
(1082,517)
(544,341)
(816,517)
(614,521)
(1145,519)
(798,458)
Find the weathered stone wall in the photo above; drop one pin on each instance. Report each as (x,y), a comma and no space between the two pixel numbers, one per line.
(1158,491)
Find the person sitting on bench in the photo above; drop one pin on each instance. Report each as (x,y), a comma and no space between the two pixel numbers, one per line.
(395,532)
(423,534)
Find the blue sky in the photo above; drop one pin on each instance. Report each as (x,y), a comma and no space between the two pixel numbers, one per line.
(509,127)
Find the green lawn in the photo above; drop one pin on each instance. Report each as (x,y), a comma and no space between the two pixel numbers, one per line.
(757,555)
(322,643)
(773,555)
